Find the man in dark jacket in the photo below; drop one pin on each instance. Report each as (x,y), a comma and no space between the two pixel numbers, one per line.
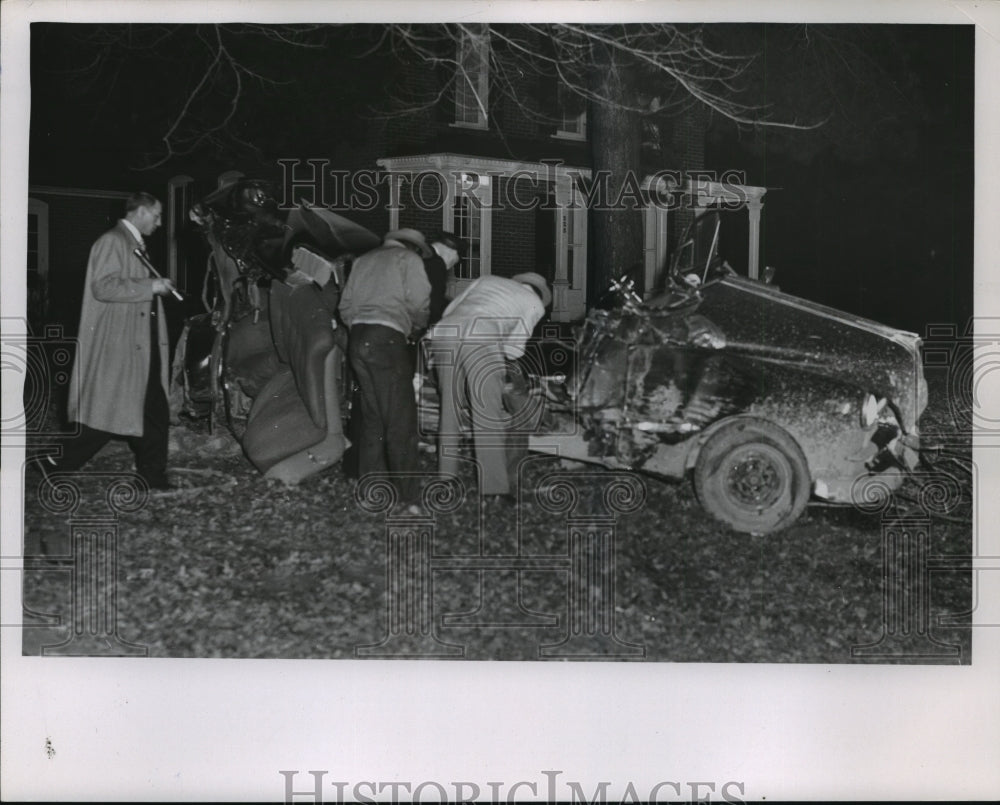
(448,251)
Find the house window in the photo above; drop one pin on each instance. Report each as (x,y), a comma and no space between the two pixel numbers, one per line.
(472,78)
(573,115)
(468,218)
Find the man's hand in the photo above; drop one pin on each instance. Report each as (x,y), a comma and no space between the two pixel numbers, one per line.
(162,286)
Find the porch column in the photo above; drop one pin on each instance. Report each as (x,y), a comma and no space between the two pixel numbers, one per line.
(178,203)
(654,247)
(560,281)
(753,257)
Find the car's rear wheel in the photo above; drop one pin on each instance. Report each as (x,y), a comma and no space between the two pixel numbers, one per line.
(753,476)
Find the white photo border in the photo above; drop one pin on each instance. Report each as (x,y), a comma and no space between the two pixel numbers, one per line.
(189,730)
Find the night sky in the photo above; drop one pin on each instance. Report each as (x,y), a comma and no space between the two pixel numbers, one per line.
(872,214)
(877,219)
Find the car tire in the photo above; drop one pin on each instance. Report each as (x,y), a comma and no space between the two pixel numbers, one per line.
(753,476)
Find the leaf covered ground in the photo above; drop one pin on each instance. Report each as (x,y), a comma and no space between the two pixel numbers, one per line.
(231,564)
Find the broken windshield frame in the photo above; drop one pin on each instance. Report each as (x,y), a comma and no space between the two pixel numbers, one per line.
(698,252)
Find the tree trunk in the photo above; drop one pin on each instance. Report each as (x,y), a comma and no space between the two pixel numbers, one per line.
(616,243)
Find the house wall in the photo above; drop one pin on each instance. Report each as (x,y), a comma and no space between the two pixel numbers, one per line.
(521,239)
(524,239)
(686,152)
(513,132)
(423,220)
(514,233)
(75,222)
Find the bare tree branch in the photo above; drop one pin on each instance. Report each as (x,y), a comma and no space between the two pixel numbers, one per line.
(210,104)
(672,69)
(679,66)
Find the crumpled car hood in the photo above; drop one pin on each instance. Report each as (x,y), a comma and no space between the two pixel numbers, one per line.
(764,324)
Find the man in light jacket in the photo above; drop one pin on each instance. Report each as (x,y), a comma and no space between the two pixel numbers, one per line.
(485,326)
(386,300)
(119,382)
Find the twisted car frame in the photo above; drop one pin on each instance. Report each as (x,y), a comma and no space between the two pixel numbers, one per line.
(763,398)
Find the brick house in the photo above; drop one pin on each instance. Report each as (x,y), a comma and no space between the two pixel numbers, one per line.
(477,163)
(514,186)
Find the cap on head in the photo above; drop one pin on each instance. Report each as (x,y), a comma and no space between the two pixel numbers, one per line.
(536,281)
(452,241)
(411,237)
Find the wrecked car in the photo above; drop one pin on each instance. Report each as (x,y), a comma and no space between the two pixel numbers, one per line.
(762,398)
(267,352)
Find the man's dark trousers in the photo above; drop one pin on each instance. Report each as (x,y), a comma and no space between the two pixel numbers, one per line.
(383,364)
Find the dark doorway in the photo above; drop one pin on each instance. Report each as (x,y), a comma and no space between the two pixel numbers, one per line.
(545,237)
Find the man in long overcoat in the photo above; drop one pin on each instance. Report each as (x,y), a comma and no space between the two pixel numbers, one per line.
(119,382)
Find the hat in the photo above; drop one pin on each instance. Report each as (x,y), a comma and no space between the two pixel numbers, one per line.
(452,241)
(535,281)
(411,237)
